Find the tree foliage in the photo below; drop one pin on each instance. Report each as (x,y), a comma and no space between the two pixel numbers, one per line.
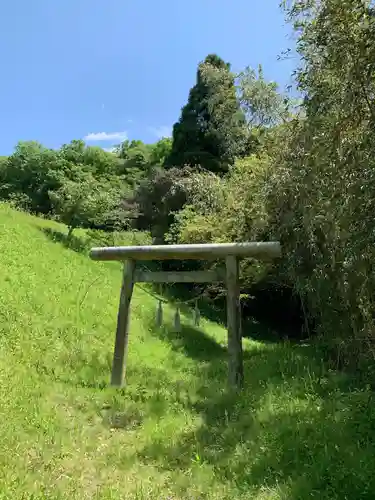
(30,173)
(229,209)
(211,127)
(261,101)
(138,158)
(158,199)
(323,200)
(84,203)
(35,177)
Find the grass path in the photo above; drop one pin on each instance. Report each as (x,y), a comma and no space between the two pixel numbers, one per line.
(298,430)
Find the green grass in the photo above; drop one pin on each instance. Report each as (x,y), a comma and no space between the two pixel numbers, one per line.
(297,431)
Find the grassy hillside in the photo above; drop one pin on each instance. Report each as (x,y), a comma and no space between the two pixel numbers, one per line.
(298,431)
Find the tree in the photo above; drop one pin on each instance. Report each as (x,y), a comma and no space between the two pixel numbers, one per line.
(157,199)
(260,100)
(209,135)
(263,107)
(135,156)
(29,173)
(100,163)
(160,151)
(73,151)
(84,203)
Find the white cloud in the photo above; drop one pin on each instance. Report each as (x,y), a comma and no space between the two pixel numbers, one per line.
(162,131)
(109,150)
(106,136)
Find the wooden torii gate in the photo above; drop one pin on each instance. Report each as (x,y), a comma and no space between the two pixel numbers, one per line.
(231,252)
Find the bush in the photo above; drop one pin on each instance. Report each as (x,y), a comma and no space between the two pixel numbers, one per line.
(229,209)
(321,196)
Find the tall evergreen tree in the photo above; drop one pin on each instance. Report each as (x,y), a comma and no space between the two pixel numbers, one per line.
(212,129)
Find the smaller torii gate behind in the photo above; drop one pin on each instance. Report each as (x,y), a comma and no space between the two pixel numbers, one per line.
(231,252)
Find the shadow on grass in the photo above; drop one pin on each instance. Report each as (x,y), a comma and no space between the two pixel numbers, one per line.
(215,310)
(297,429)
(74,243)
(192,342)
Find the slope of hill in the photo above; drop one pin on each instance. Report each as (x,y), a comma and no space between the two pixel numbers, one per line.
(297,431)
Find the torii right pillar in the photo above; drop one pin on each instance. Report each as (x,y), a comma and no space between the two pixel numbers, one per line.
(235,362)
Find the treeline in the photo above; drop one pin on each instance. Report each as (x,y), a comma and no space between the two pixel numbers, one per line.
(83,186)
(246,163)
(134,186)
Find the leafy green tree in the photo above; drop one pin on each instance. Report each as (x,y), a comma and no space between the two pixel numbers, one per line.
(100,163)
(90,159)
(29,173)
(260,100)
(211,127)
(135,156)
(160,151)
(263,106)
(84,203)
(73,152)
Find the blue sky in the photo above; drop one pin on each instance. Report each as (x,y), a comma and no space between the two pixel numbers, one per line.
(121,68)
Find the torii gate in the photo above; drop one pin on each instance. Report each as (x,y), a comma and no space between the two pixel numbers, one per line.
(231,252)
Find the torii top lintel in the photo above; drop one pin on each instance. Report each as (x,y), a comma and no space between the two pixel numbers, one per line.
(208,251)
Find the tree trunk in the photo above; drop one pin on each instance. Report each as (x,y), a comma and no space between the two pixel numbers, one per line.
(70,233)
